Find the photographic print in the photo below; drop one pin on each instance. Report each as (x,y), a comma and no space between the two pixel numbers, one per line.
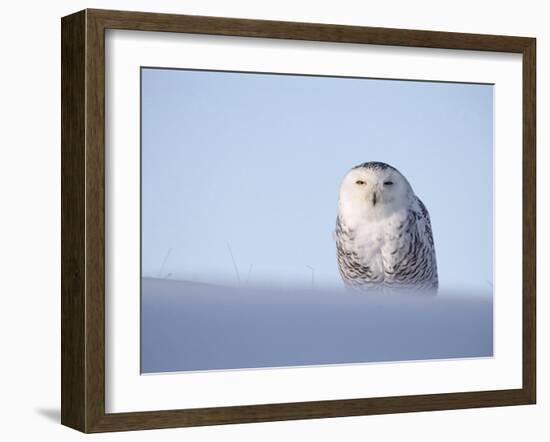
(300,220)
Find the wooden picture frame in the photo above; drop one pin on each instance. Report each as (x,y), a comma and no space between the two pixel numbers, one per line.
(83,220)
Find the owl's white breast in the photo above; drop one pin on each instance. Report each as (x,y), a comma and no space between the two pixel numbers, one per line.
(371,236)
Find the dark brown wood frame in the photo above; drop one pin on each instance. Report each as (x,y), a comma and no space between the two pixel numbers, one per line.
(83,216)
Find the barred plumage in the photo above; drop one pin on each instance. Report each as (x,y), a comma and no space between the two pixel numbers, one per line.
(383,232)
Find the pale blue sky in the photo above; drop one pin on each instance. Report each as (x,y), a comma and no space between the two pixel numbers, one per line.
(255,161)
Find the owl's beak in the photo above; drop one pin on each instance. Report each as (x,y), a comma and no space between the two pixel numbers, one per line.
(374,199)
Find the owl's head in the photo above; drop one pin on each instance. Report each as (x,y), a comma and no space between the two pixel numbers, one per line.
(374,190)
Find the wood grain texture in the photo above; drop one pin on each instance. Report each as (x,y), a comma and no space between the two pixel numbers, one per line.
(95,222)
(145,21)
(73,125)
(529,220)
(83,220)
(308,410)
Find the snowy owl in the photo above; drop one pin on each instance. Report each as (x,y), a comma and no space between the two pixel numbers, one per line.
(383,232)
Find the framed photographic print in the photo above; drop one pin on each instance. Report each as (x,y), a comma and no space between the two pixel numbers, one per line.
(270,220)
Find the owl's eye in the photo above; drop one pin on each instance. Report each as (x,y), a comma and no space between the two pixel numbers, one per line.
(388,183)
(360,182)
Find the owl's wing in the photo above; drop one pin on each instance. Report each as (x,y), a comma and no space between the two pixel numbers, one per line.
(409,256)
(426,238)
(424,224)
